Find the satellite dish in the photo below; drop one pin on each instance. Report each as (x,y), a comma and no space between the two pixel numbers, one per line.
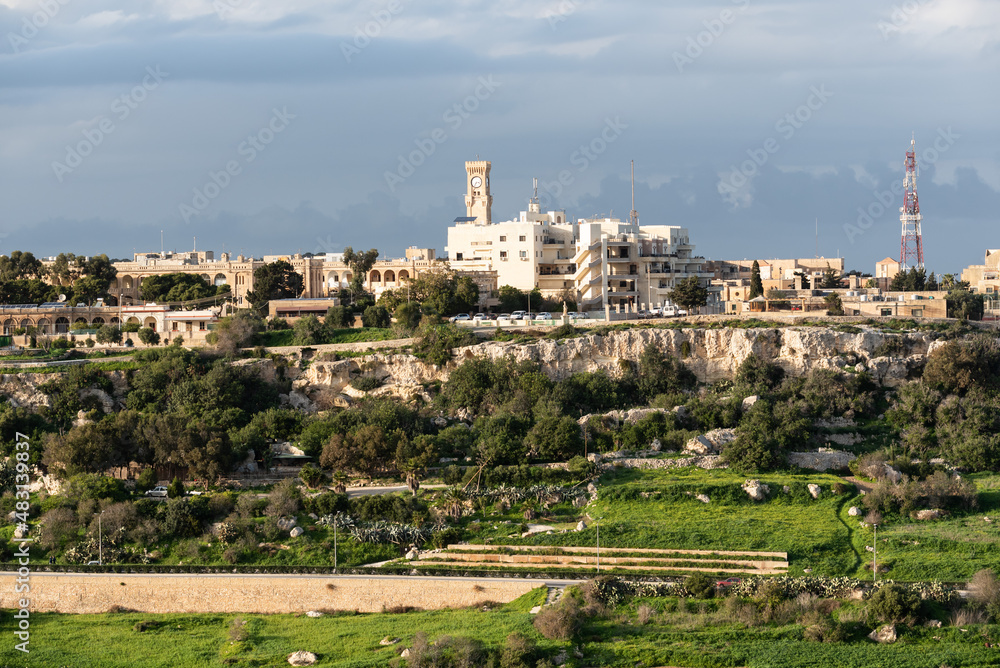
(62,298)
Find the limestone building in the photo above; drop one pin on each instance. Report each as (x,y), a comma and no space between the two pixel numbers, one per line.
(985,278)
(596,262)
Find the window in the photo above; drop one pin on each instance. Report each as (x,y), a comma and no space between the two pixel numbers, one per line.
(503,255)
(524,253)
(503,238)
(522,238)
(886,311)
(458,257)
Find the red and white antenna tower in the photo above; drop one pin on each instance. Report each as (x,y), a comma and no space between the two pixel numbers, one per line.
(911,246)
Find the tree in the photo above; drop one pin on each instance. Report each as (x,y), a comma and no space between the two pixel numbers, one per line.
(662,374)
(408,315)
(338,317)
(443,292)
(20,266)
(689,294)
(834,306)
(932,283)
(360,264)
(512,299)
(149,336)
(871,283)
(965,305)
(805,279)
(554,439)
(178,287)
(175,489)
(235,332)
(109,334)
(309,331)
(376,316)
(756,285)
(831,278)
(276,280)
(764,436)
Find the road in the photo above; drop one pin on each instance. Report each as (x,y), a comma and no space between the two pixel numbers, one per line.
(538,581)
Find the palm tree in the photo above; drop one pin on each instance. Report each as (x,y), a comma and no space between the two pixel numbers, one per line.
(411,470)
(339,482)
(453,501)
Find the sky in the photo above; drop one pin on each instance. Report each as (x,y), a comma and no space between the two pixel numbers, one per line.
(306,126)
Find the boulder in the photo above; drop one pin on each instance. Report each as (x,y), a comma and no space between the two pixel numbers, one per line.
(710,443)
(21,531)
(854,511)
(703,498)
(296,532)
(405,653)
(814,490)
(884,634)
(756,490)
(314,613)
(581,525)
(302,658)
(286,523)
(748,402)
(932,514)
(412,554)
(248,465)
(286,449)
(892,475)
(656,446)
(388,641)
(440,422)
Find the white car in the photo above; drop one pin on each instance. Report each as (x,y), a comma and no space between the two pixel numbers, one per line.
(543,316)
(519,315)
(479,317)
(577,315)
(503,317)
(461,317)
(159,490)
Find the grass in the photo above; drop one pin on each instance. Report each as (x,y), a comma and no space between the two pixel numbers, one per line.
(202,641)
(810,531)
(286,337)
(674,632)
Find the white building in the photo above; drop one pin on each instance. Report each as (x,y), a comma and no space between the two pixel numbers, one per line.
(598,263)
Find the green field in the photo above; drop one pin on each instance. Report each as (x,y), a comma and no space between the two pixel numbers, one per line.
(672,632)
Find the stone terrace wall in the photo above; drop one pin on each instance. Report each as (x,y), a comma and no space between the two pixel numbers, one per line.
(75,593)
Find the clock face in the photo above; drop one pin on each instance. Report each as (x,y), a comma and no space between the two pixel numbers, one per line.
(476,182)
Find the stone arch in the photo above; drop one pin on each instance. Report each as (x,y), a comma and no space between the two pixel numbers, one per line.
(220,279)
(150,322)
(80,321)
(126,282)
(346,278)
(390,276)
(375,276)
(44,326)
(404,275)
(332,279)
(26,322)
(62,325)
(115,321)
(97,322)
(9,326)
(133,321)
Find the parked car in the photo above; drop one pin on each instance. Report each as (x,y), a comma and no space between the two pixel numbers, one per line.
(543,316)
(461,317)
(519,315)
(655,312)
(479,317)
(577,315)
(159,490)
(503,317)
(728,582)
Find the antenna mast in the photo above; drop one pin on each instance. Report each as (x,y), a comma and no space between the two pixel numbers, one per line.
(633,215)
(911,246)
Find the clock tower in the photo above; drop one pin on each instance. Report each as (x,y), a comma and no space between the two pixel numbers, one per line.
(478,200)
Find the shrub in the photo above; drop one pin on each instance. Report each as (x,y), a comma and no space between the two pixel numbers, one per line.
(700,585)
(376,316)
(366,383)
(984,592)
(311,475)
(175,489)
(518,651)
(560,621)
(893,604)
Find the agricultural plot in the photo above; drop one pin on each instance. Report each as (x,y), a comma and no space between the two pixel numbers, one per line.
(611,560)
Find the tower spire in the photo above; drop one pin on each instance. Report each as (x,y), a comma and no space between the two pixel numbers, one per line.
(911,245)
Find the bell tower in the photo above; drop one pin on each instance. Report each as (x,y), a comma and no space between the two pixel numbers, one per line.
(478,200)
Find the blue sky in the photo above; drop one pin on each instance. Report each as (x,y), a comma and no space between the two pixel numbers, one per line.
(308,126)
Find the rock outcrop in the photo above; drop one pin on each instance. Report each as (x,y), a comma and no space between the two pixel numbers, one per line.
(822,460)
(711,443)
(756,490)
